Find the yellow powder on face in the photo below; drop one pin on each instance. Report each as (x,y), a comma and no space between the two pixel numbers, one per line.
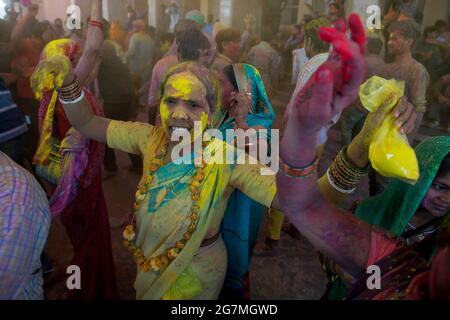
(184,84)
(165,116)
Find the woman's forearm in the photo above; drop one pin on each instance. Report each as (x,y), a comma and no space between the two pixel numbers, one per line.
(93,47)
(358,153)
(338,234)
(83,119)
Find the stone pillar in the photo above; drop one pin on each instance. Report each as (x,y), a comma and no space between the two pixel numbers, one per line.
(204,8)
(303,9)
(154,12)
(226,12)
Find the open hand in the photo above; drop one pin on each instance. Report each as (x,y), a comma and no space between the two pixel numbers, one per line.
(335,85)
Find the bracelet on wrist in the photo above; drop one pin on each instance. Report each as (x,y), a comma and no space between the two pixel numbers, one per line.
(299,173)
(343,176)
(97,24)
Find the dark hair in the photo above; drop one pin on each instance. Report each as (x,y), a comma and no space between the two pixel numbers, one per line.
(336,5)
(231,76)
(183,26)
(440,24)
(374,45)
(445,166)
(395,5)
(227,35)
(204,75)
(408,29)
(190,44)
(312,33)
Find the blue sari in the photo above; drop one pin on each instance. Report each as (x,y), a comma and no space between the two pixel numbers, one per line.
(243,216)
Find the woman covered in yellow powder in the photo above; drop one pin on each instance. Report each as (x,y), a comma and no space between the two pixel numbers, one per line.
(175,234)
(179,207)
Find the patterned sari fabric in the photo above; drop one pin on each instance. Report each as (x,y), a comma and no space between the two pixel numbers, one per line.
(243,216)
(394,209)
(406,275)
(164,216)
(76,178)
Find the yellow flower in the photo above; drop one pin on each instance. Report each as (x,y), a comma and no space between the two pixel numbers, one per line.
(186,236)
(173,253)
(194,217)
(195,197)
(154,265)
(129,234)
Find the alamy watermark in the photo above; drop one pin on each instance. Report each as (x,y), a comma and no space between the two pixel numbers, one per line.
(73,21)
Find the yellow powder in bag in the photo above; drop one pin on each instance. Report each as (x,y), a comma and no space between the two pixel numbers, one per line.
(390,153)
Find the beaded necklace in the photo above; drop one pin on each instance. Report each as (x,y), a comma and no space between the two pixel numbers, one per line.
(155,264)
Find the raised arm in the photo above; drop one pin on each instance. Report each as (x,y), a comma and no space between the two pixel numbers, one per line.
(18,31)
(336,233)
(93,46)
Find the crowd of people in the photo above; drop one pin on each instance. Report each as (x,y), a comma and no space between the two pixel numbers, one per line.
(69,98)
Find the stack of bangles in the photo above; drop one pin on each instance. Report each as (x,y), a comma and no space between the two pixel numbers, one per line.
(98,24)
(71,94)
(299,173)
(343,176)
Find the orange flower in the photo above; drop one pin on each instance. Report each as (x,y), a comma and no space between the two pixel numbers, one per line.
(180,245)
(195,184)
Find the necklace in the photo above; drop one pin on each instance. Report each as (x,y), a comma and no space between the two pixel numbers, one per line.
(162,261)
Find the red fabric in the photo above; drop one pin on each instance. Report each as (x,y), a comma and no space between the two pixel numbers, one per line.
(380,247)
(87,224)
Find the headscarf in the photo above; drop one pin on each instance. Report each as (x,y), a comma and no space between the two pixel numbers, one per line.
(197,16)
(81,158)
(249,81)
(394,208)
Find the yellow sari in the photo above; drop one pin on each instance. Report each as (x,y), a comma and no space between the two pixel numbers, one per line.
(164,216)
